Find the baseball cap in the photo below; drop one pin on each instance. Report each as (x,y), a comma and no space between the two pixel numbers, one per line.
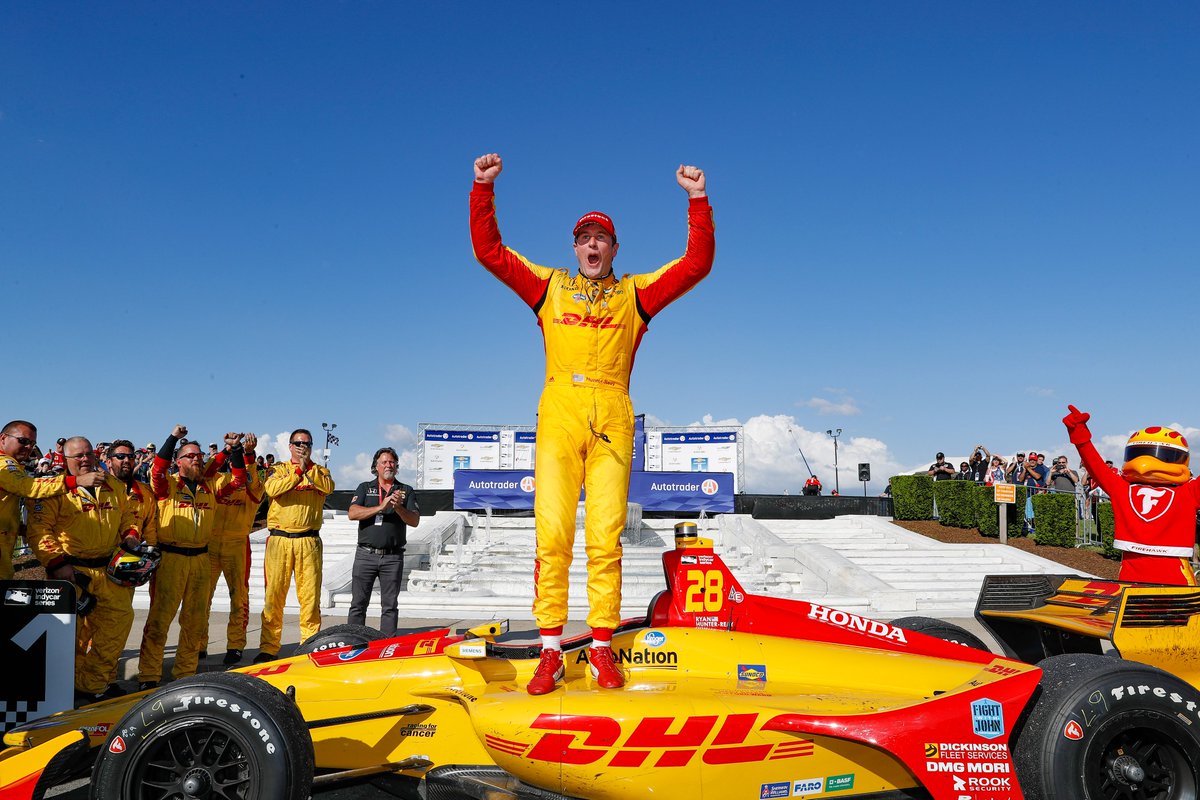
(1032,454)
(596,218)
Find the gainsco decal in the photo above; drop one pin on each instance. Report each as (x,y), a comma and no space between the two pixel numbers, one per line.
(853,622)
(651,742)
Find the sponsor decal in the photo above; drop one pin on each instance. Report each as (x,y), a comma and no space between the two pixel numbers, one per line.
(783,789)
(418,730)
(117,745)
(1150,502)
(967,751)
(688,560)
(853,622)
(425,647)
(388,651)
(472,650)
(654,639)
(997,669)
(706,559)
(273,669)
(588,321)
(579,297)
(655,741)
(709,487)
(707,622)
(839,783)
(465,695)
(527,484)
(352,654)
(961,767)
(807,786)
(100,730)
(1073,731)
(756,673)
(664,659)
(735,596)
(987,718)
(17,597)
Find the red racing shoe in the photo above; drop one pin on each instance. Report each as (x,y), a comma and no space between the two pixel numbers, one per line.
(604,668)
(548,673)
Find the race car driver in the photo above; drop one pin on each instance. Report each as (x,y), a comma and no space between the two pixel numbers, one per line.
(186,511)
(591,324)
(76,534)
(17,440)
(1154,502)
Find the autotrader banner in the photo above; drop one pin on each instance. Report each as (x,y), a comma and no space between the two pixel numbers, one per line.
(711,492)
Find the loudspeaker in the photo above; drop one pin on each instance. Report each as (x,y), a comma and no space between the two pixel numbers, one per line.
(864,472)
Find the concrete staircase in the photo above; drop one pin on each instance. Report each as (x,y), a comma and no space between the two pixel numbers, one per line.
(474,566)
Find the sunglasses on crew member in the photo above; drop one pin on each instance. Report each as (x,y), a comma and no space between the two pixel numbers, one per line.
(22,440)
(300,443)
(120,456)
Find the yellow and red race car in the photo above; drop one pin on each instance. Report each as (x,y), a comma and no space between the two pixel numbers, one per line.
(728,695)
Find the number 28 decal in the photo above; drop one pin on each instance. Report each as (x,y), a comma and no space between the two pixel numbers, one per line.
(705,590)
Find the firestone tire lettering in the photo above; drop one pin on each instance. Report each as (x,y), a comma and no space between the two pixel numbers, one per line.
(1103,727)
(337,636)
(220,735)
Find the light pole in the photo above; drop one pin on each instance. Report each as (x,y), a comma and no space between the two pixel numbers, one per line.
(331,440)
(834,434)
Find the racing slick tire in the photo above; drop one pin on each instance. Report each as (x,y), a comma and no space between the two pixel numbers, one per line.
(1111,729)
(338,636)
(218,735)
(940,629)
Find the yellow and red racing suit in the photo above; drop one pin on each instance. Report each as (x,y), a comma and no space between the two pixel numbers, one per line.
(186,513)
(15,484)
(83,528)
(591,330)
(229,551)
(294,547)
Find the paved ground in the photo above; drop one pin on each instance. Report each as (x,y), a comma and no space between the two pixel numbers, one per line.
(127,672)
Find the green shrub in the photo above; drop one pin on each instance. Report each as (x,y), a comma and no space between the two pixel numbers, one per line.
(1054,519)
(912,497)
(987,512)
(1104,520)
(955,503)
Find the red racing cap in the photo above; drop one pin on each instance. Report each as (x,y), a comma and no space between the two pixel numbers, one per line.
(596,218)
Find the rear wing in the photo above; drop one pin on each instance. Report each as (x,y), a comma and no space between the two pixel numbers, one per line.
(1037,616)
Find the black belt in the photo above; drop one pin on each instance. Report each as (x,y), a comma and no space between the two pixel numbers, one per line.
(76,561)
(382,551)
(300,535)
(182,551)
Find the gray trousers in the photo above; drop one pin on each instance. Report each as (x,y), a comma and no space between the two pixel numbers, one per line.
(368,567)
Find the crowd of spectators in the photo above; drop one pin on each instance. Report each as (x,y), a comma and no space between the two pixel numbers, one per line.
(1021,469)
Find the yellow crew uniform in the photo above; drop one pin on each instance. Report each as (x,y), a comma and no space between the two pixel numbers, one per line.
(180,585)
(294,547)
(15,484)
(229,551)
(83,528)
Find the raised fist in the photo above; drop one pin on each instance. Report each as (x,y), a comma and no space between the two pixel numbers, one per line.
(250,442)
(488,167)
(691,179)
(1076,423)
(231,439)
(179,431)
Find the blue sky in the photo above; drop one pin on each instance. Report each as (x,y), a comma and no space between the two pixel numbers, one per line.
(937,223)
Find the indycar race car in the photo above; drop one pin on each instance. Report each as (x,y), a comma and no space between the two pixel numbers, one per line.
(728,695)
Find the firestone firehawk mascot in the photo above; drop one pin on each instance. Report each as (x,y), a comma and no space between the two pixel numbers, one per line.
(1154,501)
(591,324)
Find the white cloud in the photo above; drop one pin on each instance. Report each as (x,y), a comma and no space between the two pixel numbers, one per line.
(1039,391)
(402,440)
(843,405)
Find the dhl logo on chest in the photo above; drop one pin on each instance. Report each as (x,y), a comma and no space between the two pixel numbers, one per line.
(660,741)
(588,321)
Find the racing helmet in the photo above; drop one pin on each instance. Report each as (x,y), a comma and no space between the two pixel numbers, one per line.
(1156,455)
(133,567)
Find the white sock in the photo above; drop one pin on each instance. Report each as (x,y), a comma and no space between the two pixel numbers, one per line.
(600,644)
(551,642)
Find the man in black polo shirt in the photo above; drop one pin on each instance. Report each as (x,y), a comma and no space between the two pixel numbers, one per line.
(383,508)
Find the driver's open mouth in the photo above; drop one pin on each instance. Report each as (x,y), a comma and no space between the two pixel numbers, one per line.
(593,260)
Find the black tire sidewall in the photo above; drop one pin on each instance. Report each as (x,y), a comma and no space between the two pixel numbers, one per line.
(338,636)
(1085,702)
(266,725)
(940,629)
